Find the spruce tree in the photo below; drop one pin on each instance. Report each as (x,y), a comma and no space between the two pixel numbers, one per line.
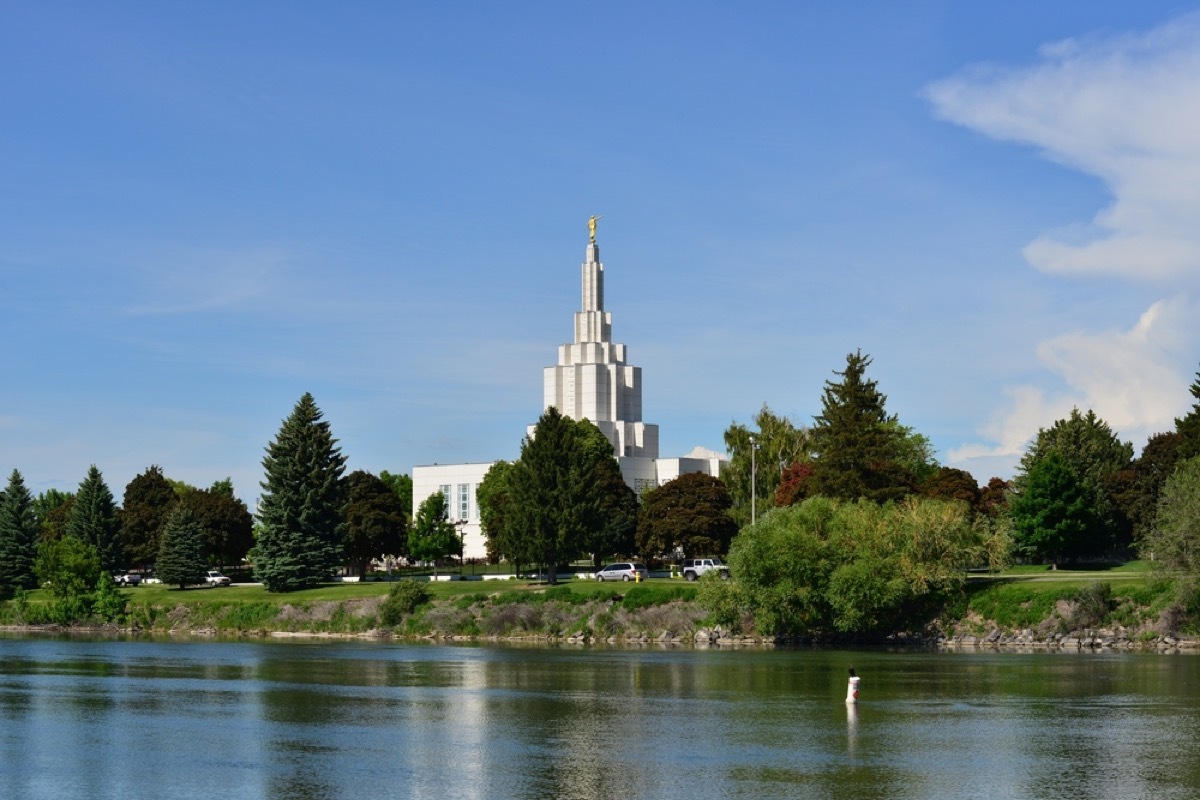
(1188,427)
(180,558)
(18,536)
(94,521)
(858,445)
(301,539)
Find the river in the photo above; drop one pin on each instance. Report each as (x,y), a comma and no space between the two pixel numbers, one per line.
(301,720)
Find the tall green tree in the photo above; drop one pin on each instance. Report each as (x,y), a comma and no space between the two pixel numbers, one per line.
(1174,541)
(402,485)
(376,522)
(616,534)
(433,536)
(94,521)
(52,509)
(71,568)
(149,499)
(1054,516)
(689,514)
(1091,450)
(226,522)
(18,536)
(770,445)
(556,500)
(301,536)
(494,498)
(861,451)
(1188,426)
(180,560)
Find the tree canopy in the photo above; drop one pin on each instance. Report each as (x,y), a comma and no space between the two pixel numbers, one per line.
(1174,542)
(556,495)
(689,514)
(180,560)
(777,444)
(860,450)
(149,499)
(1054,516)
(94,521)
(300,542)
(376,522)
(18,536)
(433,536)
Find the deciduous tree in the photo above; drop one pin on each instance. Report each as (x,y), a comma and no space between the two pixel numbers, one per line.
(149,499)
(1174,541)
(376,522)
(689,514)
(433,537)
(225,521)
(301,535)
(778,443)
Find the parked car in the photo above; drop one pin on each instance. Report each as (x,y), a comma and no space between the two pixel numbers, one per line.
(127,579)
(625,571)
(693,568)
(214,578)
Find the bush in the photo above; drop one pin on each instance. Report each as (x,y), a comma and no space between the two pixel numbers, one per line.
(1092,606)
(646,596)
(403,599)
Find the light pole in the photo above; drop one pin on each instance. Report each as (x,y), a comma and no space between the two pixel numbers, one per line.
(462,545)
(753,487)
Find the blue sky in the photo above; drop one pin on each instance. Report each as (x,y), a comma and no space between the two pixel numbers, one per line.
(210,209)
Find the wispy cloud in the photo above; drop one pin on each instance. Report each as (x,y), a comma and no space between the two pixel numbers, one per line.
(192,281)
(1125,109)
(1128,377)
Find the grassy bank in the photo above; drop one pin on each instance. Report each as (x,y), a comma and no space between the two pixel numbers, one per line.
(1129,602)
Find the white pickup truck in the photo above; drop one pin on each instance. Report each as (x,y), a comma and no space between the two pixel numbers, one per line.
(693,568)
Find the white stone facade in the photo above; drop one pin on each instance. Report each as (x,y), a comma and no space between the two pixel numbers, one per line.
(592,381)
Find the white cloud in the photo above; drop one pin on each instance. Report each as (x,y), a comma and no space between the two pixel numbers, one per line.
(185,282)
(700,451)
(1125,109)
(1128,377)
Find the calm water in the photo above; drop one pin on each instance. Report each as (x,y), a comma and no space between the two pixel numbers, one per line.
(127,719)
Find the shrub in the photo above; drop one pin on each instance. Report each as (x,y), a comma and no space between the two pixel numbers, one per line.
(1092,605)
(403,599)
(646,596)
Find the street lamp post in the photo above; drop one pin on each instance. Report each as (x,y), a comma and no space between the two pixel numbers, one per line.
(753,487)
(462,545)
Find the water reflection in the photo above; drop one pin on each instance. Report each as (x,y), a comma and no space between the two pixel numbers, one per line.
(313,721)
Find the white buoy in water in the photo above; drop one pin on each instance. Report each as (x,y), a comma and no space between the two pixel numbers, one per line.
(852,687)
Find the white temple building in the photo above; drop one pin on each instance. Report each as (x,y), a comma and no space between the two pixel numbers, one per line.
(592,380)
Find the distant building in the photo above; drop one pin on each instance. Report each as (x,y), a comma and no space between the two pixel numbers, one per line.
(592,381)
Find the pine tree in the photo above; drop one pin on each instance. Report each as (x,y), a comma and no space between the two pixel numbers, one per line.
(1188,427)
(858,445)
(1054,516)
(18,536)
(94,521)
(180,559)
(301,538)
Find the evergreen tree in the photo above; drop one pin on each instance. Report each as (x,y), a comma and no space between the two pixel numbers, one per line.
(617,533)
(301,534)
(556,501)
(1092,451)
(148,501)
(94,521)
(861,450)
(376,522)
(52,508)
(180,557)
(1054,515)
(688,514)
(18,536)
(1188,427)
